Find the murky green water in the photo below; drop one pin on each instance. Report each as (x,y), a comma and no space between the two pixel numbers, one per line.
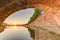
(19,33)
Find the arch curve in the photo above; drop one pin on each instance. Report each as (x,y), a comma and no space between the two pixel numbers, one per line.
(8,7)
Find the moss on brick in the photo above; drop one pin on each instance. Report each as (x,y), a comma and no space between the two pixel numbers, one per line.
(35,15)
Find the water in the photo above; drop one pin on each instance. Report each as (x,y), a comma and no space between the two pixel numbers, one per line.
(13,33)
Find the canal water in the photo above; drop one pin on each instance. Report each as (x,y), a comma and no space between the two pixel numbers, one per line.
(16,33)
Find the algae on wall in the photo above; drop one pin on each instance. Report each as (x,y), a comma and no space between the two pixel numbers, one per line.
(32,33)
(35,15)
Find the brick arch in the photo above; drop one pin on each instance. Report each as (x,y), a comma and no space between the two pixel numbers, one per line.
(51,8)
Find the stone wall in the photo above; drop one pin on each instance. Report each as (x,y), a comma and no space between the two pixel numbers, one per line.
(51,10)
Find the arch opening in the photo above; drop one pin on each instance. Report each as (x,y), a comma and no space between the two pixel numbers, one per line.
(20,18)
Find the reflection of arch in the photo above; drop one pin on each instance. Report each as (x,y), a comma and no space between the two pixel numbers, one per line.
(7,7)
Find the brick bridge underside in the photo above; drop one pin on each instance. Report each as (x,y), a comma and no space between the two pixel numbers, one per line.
(51,10)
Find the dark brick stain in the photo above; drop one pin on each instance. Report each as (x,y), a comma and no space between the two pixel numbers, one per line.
(4,2)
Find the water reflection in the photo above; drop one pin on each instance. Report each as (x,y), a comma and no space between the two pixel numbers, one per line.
(19,33)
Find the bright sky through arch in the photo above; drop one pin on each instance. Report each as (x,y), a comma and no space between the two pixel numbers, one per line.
(20,17)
